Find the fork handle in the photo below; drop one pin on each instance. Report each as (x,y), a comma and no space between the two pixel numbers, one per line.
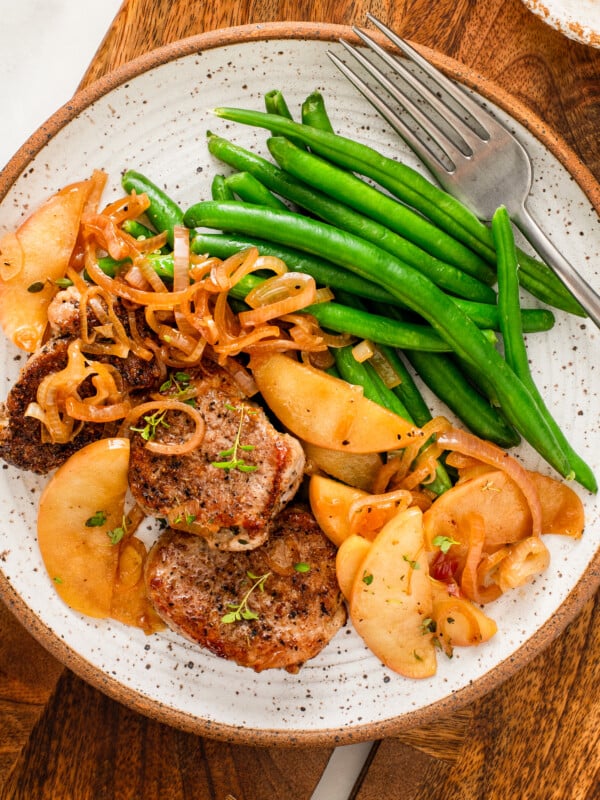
(588,298)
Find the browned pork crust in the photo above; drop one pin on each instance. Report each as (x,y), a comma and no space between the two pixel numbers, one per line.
(232,508)
(20,436)
(299,609)
(21,442)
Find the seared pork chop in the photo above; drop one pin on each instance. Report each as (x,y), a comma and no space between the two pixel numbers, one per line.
(204,491)
(293,611)
(21,437)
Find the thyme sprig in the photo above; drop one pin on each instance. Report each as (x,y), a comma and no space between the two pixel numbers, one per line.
(153,421)
(232,453)
(179,385)
(241,610)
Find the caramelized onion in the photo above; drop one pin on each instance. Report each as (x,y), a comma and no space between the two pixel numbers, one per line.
(167,404)
(181,258)
(469,582)
(523,561)
(367,515)
(278,296)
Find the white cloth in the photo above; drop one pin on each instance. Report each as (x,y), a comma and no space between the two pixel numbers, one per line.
(45,48)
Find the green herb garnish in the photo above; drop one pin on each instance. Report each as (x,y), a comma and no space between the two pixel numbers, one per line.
(117,534)
(231,454)
(413,564)
(96,520)
(241,611)
(302,566)
(63,283)
(444,543)
(148,432)
(428,626)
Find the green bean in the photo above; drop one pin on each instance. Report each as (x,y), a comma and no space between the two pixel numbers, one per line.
(354,372)
(448,383)
(161,264)
(339,183)
(515,350)
(251,190)
(219,189)
(338,213)
(485,315)
(324,272)
(137,230)
(381,330)
(275,103)
(140,232)
(163,213)
(412,188)
(415,189)
(543,284)
(407,390)
(409,286)
(314,112)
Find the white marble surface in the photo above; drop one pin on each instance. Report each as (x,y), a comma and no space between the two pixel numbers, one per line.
(45,48)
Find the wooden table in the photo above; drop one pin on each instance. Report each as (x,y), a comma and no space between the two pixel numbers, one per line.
(538,735)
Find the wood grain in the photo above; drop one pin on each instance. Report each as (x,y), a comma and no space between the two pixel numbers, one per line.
(537,736)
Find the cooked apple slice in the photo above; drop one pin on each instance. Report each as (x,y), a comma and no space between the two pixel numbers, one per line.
(327,411)
(82,503)
(348,561)
(391,600)
(355,469)
(330,502)
(34,256)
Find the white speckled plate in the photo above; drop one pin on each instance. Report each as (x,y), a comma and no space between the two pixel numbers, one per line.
(577,19)
(152,115)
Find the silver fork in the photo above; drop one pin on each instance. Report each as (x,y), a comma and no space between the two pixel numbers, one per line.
(482,168)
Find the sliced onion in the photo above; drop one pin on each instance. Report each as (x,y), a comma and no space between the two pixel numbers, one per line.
(227,273)
(524,560)
(159,300)
(384,369)
(86,412)
(181,258)
(363,351)
(167,404)
(368,515)
(469,581)
(277,296)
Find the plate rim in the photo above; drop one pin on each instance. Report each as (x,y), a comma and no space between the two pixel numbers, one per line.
(568,26)
(586,586)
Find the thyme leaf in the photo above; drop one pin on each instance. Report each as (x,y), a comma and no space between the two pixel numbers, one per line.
(96,520)
(444,543)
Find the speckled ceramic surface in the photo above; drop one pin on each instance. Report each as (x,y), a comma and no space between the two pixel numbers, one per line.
(153,116)
(577,19)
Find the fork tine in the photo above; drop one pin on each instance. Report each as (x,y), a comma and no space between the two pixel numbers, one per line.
(483,117)
(468,136)
(425,153)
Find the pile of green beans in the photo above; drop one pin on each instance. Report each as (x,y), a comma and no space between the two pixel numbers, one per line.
(416,281)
